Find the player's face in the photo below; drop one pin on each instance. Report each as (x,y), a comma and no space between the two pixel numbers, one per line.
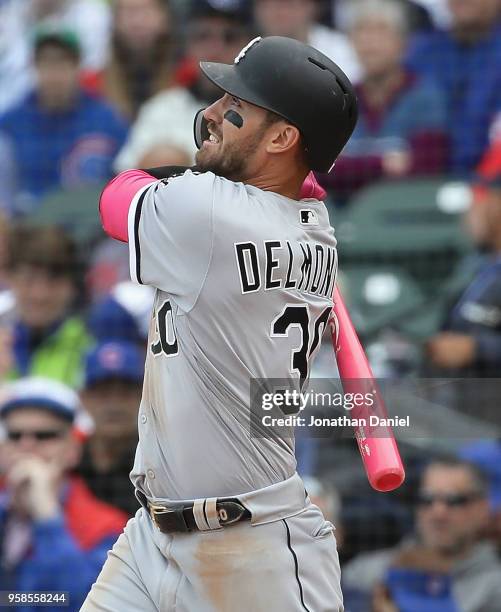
(452,514)
(237,130)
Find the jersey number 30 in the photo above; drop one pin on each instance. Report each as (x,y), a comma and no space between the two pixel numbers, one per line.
(299,316)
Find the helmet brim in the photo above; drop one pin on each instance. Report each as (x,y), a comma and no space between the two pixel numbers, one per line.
(227,78)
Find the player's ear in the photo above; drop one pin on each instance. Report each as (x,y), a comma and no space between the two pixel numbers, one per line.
(282,137)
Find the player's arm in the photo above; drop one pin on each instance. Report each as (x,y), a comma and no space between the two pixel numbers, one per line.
(168,224)
(120,192)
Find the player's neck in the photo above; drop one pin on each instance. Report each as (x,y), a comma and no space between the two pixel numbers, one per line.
(288,185)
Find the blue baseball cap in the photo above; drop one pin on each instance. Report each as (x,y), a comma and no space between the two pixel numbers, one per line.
(112,360)
(43,393)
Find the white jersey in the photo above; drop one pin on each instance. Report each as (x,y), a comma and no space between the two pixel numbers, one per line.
(244,281)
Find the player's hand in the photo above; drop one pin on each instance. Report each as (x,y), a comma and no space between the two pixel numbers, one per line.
(34,485)
(451,350)
(396,163)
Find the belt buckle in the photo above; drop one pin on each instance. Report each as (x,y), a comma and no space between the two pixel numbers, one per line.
(156,509)
(177,514)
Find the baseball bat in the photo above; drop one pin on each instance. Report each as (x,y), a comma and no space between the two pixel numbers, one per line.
(377,444)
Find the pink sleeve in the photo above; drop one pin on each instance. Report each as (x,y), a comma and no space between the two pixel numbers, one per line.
(116,199)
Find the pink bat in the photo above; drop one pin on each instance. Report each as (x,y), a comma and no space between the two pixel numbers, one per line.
(380,454)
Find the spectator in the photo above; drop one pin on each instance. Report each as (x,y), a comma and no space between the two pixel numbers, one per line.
(402,123)
(141,58)
(54,532)
(448,565)
(470,343)
(465,61)
(45,338)
(89,18)
(112,393)
(298,19)
(214,33)
(60,135)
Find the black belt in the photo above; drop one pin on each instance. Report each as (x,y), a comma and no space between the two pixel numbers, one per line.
(182,519)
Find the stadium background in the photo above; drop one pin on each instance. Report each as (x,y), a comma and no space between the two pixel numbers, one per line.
(89,88)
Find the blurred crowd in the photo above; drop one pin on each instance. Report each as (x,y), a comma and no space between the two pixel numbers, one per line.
(89,88)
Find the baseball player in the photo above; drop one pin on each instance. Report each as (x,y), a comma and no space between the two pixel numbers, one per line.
(244,271)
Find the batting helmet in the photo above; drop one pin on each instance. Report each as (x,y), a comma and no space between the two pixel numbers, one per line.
(296,82)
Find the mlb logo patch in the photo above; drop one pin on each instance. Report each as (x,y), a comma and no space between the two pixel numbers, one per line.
(308,216)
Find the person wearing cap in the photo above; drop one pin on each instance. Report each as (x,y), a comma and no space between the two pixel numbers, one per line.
(111,394)
(54,534)
(89,18)
(215,30)
(60,135)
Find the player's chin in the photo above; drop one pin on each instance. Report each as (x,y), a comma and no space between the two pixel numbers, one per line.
(206,157)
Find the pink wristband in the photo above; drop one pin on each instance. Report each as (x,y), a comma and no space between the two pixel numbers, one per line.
(116,199)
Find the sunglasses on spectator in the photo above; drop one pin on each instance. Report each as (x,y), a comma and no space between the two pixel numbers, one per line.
(452,500)
(41,435)
(229,35)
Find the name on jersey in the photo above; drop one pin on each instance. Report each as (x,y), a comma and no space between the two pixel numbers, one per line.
(276,267)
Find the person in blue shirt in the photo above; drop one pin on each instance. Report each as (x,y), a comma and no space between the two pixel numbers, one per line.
(60,135)
(447,564)
(470,341)
(54,533)
(464,60)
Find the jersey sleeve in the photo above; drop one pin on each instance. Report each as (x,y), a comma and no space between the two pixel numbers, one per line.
(170,226)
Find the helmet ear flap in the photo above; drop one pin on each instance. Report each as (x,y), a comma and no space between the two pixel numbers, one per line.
(200,130)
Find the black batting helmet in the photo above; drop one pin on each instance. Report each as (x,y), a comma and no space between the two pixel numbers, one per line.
(296,82)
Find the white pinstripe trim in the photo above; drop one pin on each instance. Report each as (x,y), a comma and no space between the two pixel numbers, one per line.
(131,233)
(198,513)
